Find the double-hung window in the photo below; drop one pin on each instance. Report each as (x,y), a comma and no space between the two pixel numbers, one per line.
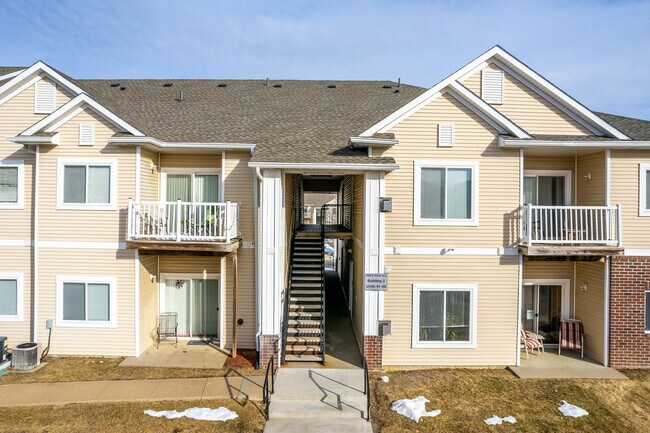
(86,184)
(11,184)
(444,316)
(644,189)
(11,297)
(85,301)
(446,193)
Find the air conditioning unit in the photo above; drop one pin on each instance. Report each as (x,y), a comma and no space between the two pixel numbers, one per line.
(24,356)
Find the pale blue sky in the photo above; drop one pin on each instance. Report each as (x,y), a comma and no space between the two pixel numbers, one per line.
(597,51)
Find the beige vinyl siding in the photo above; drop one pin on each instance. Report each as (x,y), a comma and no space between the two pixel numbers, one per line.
(16,260)
(497,280)
(358,194)
(624,178)
(149,298)
(591,192)
(118,341)
(475,140)
(590,307)
(182,264)
(549,163)
(148,180)
(527,108)
(190,160)
(551,270)
(85,225)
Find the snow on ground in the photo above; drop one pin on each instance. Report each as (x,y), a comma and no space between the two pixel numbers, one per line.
(413,408)
(200,413)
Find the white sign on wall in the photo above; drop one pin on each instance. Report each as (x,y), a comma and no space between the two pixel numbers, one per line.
(376,282)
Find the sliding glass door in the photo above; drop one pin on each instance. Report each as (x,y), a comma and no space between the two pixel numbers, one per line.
(542,310)
(196,301)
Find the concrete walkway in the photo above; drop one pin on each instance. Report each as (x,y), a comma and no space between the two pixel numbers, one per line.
(188,354)
(60,393)
(550,365)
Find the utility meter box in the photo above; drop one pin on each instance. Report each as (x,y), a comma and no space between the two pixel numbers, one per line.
(384,327)
(385,204)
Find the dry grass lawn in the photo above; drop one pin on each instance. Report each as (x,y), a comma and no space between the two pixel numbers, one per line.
(76,369)
(127,418)
(467,397)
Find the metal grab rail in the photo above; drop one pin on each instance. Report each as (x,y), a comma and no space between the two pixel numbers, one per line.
(287,299)
(266,389)
(183,221)
(336,215)
(322,289)
(571,224)
(366,387)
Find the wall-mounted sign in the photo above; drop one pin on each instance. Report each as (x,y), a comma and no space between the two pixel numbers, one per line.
(377,282)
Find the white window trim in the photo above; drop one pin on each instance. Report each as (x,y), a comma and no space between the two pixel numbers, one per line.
(61,163)
(111,281)
(567,174)
(471,344)
(417,186)
(19,297)
(20,164)
(192,172)
(92,134)
(643,211)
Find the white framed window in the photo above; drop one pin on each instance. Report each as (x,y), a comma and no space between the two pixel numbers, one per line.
(445,193)
(12,184)
(444,315)
(199,185)
(445,135)
(492,86)
(11,297)
(45,97)
(86,302)
(547,187)
(86,134)
(644,189)
(647,311)
(87,184)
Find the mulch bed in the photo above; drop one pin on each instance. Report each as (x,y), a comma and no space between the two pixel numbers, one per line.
(246,358)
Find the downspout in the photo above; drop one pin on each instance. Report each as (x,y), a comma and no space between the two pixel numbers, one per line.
(607,276)
(35,243)
(520,262)
(257,185)
(136,259)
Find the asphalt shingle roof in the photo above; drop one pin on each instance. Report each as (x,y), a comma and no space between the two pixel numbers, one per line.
(299,122)
(636,129)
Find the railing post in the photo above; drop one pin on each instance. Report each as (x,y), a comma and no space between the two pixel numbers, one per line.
(129,219)
(178,220)
(226,228)
(529,224)
(619,226)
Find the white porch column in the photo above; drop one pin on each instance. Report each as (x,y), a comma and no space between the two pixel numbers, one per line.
(373,249)
(272,252)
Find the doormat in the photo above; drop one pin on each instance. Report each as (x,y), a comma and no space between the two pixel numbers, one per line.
(199,342)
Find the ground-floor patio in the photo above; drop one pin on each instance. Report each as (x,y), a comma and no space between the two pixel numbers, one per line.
(568,365)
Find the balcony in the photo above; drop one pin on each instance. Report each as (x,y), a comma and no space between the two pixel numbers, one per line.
(183,226)
(570,230)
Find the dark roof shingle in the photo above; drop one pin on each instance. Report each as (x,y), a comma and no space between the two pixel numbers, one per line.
(636,129)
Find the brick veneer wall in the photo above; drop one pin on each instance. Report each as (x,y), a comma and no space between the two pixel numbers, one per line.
(372,351)
(629,345)
(268,349)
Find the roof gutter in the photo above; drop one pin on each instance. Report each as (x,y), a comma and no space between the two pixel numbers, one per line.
(324,166)
(171,145)
(603,144)
(35,139)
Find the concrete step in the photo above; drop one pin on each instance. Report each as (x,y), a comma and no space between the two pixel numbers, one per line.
(316,259)
(305,278)
(309,384)
(304,266)
(320,425)
(314,285)
(300,349)
(302,358)
(308,253)
(314,409)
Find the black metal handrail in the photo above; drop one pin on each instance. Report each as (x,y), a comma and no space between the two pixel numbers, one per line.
(336,215)
(266,389)
(366,387)
(322,288)
(287,297)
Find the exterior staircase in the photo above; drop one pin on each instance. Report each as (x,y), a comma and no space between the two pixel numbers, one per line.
(305,311)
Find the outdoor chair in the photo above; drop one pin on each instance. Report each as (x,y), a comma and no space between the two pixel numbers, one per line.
(530,343)
(167,327)
(571,337)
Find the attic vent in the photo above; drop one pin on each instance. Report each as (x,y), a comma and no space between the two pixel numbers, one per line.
(221,85)
(445,135)
(167,84)
(387,86)
(115,84)
(86,134)
(45,99)
(492,86)
(277,85)
(122,88)
(331,86)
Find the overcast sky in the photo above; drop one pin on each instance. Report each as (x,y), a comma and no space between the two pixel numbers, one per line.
(597,51)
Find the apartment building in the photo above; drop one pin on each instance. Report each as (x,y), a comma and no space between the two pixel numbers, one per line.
(492,201)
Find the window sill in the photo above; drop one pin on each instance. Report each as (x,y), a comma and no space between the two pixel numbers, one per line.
(13,206)
(16,319)
(85,324)
(105,207)
(447,345)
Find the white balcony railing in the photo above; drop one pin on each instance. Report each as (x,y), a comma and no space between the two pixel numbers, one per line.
(571,225)
(182,221)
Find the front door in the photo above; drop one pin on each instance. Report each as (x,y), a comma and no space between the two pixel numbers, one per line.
(196,301)
(542,310)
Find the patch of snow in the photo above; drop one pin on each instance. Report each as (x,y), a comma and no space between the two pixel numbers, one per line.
(200,413)
(384,379)
(413,409)
(568,409)
(510,419)
(495,420)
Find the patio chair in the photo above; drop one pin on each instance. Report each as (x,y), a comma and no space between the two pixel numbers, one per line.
(167,327)
(530,343)
(571,337)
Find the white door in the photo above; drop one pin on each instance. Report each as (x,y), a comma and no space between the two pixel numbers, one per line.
(196,301)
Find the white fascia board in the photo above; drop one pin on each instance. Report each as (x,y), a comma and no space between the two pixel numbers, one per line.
(324,166)
(362,142)
(52,139)
(36,69)
(171,145)
(603,144)
(71,108)
(11,75)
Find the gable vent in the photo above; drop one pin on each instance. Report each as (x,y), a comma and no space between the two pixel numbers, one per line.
(45,99)
(492,86)
(445,135)
(86,134)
